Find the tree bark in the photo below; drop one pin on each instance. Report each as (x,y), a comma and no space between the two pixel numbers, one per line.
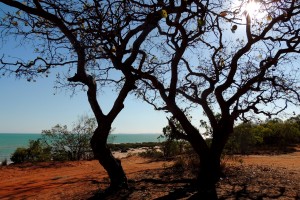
(118,179)
(208,175)
(210,170)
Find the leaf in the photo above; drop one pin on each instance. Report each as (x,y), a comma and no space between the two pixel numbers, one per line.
(164,14)
(222,63)
(201,22)
(223,13)
(14,23)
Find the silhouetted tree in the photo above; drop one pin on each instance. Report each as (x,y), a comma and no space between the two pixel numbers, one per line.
(96,42)
(235,58)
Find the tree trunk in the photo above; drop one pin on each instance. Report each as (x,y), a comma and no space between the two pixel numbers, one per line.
(210,170)
(118,179)
(208,175)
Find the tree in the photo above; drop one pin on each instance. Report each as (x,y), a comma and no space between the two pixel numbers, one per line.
(222,57)
(215,56)
(36,152)
(96,41)
(73,144)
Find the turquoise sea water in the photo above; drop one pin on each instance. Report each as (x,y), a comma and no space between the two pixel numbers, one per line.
(9,142)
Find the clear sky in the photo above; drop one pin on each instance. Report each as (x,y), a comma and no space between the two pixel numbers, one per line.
(32,107)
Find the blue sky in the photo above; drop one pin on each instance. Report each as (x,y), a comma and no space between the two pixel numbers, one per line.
(28,107)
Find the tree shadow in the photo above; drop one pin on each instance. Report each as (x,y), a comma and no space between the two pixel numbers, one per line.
(240,182)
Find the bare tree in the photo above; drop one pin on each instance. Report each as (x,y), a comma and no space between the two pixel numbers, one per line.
(98,41)
(71,144)
(230,60)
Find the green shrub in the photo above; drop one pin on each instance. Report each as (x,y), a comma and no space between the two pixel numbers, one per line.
(152,153)
(71,144)
(20,155)
(272,135)
(172,148)
(36,152)
(61,156)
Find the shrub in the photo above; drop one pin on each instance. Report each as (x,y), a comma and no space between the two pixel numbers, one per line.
(20,155)
(36,152)
(152,153)
(71,144)
(273,135)
(127,146)
(188,163)
(4,162)
(244,138)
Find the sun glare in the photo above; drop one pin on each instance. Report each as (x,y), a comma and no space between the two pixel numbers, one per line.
(253,8)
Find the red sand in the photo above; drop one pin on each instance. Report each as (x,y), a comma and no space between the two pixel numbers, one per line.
(80,180)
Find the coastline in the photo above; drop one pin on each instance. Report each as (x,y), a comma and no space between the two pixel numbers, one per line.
(9,142)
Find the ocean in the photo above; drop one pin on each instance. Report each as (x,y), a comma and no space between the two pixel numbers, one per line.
(9,142)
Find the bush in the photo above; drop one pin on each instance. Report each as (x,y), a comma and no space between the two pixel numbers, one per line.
(20,155)
(4,162)
(71,144)
(243,139)
(36,152)
(188,163)
(273,135)
(127,146)
(172,148)
(152,153)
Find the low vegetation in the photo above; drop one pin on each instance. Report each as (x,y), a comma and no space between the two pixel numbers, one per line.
(272,136)
(59,144)
(127,146)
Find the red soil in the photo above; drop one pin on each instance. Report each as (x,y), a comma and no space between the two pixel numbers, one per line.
(81,180)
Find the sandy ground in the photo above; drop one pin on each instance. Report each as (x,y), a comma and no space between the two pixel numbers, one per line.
(81,180)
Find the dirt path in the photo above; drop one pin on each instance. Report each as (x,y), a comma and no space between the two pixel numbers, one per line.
(80,180)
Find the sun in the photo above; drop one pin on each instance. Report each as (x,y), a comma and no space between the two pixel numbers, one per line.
(253,8)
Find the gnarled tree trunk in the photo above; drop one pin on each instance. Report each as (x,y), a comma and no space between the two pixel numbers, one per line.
(112,165)
(101,152)
(210,170)
(208,173)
